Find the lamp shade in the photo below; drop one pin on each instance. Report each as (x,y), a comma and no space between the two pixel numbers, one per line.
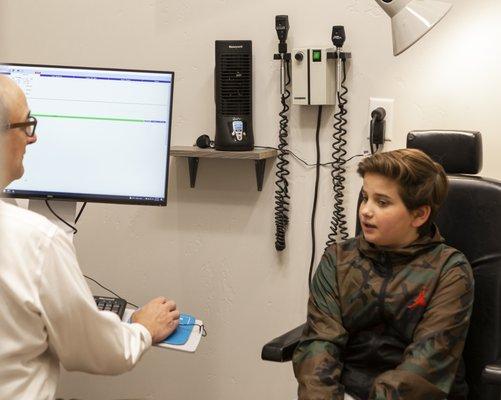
(411,19)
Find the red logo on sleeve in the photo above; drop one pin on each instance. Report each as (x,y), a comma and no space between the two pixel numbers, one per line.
(419,301)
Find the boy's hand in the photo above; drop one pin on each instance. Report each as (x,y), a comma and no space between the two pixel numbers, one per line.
(160,316)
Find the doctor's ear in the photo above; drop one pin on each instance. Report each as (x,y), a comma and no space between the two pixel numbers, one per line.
(420,215)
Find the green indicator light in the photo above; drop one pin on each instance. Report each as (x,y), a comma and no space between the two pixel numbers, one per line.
(317,55)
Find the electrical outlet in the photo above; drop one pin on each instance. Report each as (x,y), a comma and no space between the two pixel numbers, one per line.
(387,104)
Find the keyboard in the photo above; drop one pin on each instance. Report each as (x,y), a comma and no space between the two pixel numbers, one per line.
(113,304)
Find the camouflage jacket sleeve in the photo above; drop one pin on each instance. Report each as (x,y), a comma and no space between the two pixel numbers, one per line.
(317,362)
(431,360)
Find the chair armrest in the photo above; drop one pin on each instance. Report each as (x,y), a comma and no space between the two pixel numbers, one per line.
(492,373)
(281,348)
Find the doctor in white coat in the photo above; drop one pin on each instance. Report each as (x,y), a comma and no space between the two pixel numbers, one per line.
(47,313)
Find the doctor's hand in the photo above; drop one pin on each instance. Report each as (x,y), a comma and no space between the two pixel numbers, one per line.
(160,316)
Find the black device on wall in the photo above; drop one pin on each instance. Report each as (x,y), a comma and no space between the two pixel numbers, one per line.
(233,95)
(377,129)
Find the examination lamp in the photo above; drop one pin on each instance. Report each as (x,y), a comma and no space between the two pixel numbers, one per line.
(412,19)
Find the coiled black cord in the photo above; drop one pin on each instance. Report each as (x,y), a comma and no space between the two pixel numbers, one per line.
(282,192)
(338,221)
(342,223)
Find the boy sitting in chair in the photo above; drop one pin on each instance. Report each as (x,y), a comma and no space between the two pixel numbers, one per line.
(389,310)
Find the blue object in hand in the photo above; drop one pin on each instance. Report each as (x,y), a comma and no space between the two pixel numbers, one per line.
(182,333)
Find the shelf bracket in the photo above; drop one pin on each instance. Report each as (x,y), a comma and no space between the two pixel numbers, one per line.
(260,165)
(193,165)
(193,155)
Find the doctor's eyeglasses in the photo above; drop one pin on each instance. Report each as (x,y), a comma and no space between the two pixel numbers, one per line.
(29,126)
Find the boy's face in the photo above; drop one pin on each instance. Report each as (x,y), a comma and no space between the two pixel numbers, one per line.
(385,219)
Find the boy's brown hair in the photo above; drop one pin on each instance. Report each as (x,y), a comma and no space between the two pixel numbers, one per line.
(420,180)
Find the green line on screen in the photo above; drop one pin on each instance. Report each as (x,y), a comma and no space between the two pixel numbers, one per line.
(84,117)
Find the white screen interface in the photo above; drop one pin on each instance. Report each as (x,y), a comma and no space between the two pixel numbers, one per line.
(101,134)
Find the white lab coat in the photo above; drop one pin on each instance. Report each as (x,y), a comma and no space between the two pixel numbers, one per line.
(48,314)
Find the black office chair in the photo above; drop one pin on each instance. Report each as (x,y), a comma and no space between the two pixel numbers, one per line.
(469,220)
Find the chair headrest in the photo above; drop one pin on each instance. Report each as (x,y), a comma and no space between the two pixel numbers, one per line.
(459,152)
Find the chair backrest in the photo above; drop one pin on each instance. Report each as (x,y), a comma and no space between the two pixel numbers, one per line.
(470,221)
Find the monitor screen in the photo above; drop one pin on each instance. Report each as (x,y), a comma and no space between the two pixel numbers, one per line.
(103,135)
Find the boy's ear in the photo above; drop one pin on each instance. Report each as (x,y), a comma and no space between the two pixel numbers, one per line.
(420,216)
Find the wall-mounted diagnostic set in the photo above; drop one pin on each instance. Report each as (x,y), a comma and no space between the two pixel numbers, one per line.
(318,77)
(314,76)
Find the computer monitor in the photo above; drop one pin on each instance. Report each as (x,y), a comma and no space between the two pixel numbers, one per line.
(103,134)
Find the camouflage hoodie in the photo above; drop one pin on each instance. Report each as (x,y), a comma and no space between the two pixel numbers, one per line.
(385,324)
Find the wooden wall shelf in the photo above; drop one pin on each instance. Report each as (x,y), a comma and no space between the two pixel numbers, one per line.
(193,154)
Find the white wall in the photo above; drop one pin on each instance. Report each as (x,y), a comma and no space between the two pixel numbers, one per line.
(211,248)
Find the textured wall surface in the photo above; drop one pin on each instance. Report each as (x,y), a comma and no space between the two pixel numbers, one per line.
(211,248)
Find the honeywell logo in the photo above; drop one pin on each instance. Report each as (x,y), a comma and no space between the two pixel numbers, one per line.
(236,47)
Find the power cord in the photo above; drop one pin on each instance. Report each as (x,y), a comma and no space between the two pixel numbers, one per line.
(109,290)
(80,212)
(75,230)
(306,163)
(282,196)
(314,209)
